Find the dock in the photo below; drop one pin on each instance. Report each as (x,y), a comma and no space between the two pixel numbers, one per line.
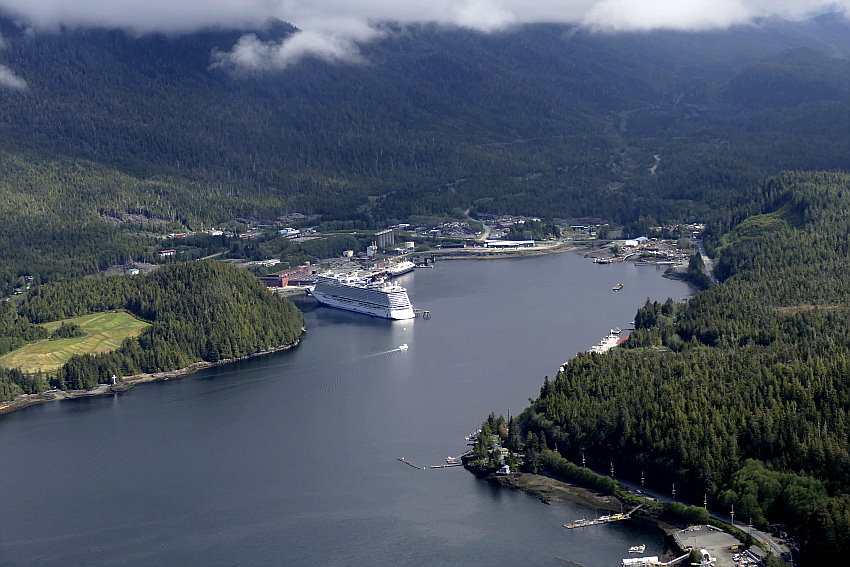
(652,561)
(446,466)
(424,313)
(402,459)
(602,519)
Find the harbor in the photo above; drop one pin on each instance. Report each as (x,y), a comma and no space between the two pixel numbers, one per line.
(246,457)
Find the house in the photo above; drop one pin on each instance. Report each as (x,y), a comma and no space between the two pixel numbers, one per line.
(504,471)
(167,253)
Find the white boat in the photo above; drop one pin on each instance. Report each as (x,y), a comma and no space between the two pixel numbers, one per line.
(400,268)
(451,460)
(354,293)
(608,342)
(637,548)
(403,347)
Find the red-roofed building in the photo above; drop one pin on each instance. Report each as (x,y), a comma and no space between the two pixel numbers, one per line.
(283,278)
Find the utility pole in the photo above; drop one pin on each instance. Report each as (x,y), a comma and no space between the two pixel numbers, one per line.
(582,461)
(705,501)
(733,514)
(641,478)
(612,469)
(673,492)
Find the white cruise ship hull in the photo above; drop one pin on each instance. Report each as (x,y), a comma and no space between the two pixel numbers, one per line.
(392,305)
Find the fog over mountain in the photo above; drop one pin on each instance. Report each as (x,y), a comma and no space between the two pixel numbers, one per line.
(333,29)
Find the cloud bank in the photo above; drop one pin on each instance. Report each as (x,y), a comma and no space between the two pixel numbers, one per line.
(333,29)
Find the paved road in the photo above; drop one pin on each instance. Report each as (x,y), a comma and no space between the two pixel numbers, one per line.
(707,262)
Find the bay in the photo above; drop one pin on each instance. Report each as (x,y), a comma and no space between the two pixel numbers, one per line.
(291,459)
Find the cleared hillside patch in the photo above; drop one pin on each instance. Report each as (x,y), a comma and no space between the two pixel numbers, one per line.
(104,332)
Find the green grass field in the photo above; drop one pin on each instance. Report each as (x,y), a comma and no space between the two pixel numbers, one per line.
(103,332)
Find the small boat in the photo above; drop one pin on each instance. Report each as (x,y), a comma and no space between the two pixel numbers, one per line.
(403,347)
(617,287)
(451,460)
(637,548)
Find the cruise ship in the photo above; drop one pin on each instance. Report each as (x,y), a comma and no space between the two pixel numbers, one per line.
(379,299)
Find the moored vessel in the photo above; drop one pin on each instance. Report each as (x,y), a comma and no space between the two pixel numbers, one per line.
(400,268)
(608,342)
(359,294)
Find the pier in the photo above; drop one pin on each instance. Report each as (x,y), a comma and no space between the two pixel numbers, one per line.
(602,519)
(652,561)
(451,462)
(402,459)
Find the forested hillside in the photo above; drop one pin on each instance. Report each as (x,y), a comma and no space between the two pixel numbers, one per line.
(541,120)
(741,393)
(199,311)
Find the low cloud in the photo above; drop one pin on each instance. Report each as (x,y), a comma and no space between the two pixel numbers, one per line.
(10,80)
(332,30)
(693,15)
(482,15)
(332,40)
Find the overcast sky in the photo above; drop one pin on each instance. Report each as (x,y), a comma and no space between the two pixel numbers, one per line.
(333,29)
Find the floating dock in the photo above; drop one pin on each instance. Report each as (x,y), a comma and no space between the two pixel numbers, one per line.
(602,519)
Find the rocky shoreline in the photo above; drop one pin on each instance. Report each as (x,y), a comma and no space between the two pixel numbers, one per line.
(126,383)
(551,490)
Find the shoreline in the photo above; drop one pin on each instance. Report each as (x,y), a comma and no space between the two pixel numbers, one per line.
(549,489)
(127,383)
(494,254)
(588,249)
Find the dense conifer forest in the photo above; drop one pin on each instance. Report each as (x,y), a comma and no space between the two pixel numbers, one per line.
(118,137)
(199,311)
(741,393)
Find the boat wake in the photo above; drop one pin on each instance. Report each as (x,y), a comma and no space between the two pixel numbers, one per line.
(365,369)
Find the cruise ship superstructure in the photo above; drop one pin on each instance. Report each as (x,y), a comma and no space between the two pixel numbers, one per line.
(354,293)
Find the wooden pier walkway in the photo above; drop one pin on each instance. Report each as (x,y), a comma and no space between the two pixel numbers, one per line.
(446,466)
(411,464)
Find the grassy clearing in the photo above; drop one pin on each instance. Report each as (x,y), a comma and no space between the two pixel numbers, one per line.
(103,332)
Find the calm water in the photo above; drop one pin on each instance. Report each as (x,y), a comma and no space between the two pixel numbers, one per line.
(290,459)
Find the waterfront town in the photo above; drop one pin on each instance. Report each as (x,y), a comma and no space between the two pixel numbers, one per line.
(668,247)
